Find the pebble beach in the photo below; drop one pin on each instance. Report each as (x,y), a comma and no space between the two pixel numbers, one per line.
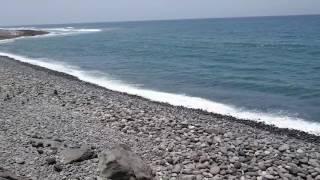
(44,112)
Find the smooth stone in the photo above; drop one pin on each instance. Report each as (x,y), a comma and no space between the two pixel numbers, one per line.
(284,147)
(313,162)
(177,168)
(187,177)
(269,176)
(300,151)
(215,170)
(20,161)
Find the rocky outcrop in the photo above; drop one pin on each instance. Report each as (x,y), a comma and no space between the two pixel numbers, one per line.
(9,34)
(121,163)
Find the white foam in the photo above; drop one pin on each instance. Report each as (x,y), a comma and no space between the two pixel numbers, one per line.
(175,99)
(66,29)
(6,41)
(70,29)
(52,32)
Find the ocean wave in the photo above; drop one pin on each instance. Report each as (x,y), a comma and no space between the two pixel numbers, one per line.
(70,29)
(281,121)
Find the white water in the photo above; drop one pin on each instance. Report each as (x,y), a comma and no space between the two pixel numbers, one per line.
(175,99)
(59,30)
(52,32)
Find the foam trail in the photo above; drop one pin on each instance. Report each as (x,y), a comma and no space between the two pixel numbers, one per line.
(176,99)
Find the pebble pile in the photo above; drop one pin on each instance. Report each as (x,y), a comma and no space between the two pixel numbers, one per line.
(54,126)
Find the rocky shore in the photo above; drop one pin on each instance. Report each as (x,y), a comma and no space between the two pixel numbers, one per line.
(9,34)
(54,126)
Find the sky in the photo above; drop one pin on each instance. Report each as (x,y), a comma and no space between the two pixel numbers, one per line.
(24,12)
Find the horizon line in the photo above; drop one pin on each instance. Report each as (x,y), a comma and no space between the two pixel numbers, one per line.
(173,19)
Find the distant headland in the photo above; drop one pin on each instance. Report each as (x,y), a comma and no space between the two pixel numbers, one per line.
(9,34)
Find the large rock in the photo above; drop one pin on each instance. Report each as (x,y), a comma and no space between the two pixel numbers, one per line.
(122,164)
(7,175)
(69,156)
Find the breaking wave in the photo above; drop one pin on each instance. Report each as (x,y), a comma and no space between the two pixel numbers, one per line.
(103,80)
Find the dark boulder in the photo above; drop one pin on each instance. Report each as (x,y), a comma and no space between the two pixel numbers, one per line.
(121,163)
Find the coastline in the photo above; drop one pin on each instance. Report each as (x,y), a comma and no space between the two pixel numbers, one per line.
(302,135)
(175,141)
(11,34)
(278,117)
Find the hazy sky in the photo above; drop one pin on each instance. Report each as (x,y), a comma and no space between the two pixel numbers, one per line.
(15,12)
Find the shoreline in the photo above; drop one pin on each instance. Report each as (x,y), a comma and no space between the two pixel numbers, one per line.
(296,125)
(43,112)
(302,135)
(12,34)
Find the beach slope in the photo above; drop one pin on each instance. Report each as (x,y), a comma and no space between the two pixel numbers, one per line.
(43,113)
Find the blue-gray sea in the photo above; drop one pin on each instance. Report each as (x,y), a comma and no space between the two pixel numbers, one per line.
(262,68)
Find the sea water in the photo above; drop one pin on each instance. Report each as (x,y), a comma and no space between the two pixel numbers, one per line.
(263,69)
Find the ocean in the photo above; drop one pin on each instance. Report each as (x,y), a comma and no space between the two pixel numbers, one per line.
(264,69)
